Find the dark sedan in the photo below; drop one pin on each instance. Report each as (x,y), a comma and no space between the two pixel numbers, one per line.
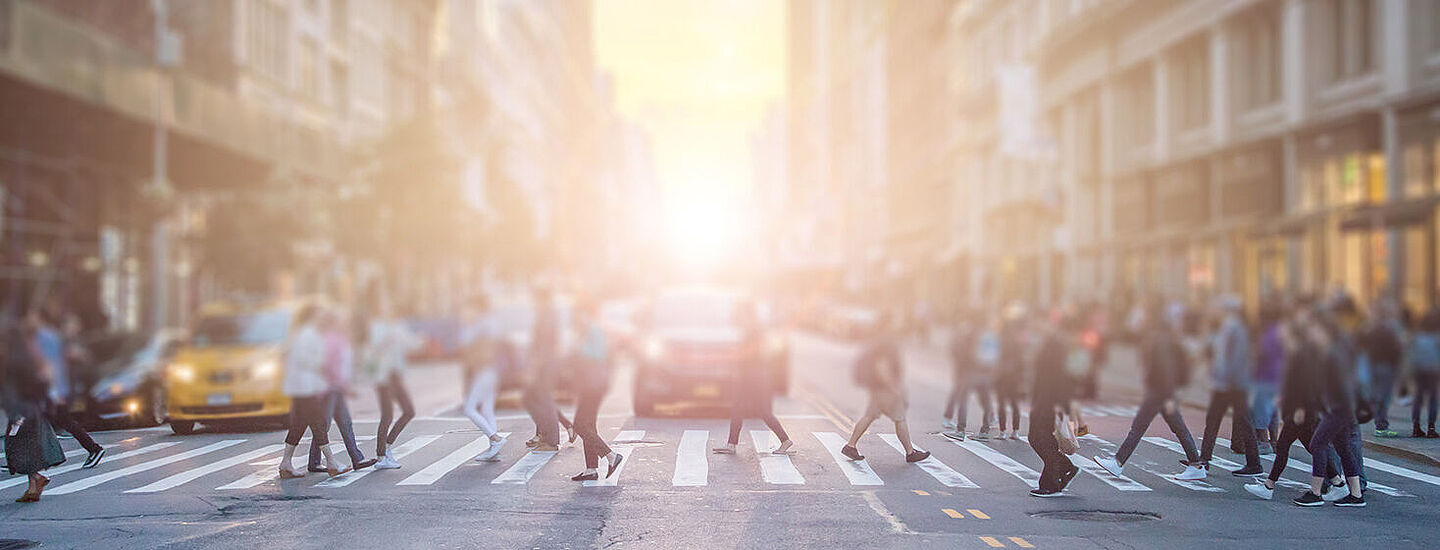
(127,370)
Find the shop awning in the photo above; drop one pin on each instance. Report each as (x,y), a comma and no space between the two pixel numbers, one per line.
(1292,224)
(1390,214)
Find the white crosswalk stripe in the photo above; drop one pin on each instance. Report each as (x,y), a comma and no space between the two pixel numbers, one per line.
(946,475)
(1296,463)
(1090,467)
(1021,471)
(436,470)
(68,454)
(525,468)
(22,480)
(692,465)
(86,483)
(1152,468)
(399,451)
(857,471)
(270,470)
(774,469)
(205,469)
(621,445)
(1217,461)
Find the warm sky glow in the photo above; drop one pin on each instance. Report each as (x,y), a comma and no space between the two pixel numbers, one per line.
(698,75)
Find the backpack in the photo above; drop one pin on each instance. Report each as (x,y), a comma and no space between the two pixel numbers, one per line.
(1425,353)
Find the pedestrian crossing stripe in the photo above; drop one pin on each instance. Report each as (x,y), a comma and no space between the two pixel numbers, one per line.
(857,471)
(946,475)
(626,458)
(197,472)
(1150,468)
(400,451)
(525,468)
(1299,464)
(774,469)
(269,471)
(22,480)
(86,483)
(436,470)
(692,464)
(1090,467)
(1009,465)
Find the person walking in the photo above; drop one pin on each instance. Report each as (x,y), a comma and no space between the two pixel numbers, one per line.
(307,389)
(31,446)
(1383,343)
(962,341)
(1337,419)
(1269,367)
(751,394)
(544,351)
(1229,389)
(1424,356)
(983,357)
(880,371)
(339,374)
(1010,378)
(388,343)
(1164,369)
(591,378)
(1050,395)
(482,351)
(54,348)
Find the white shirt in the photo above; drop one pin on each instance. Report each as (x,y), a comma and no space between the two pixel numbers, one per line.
(389,343)
(305,364)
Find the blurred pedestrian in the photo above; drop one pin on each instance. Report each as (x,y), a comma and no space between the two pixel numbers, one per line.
(488,357)
(1165,370)
(544,352)
(984,361)
(1269,369)
(1383,343)
(1229,388)
(879,370)
(591,379)
(1010,379)
(30,443)
(306,386)
(1425,362)
(751,394)
(56,350)
(962,340)
(1050,396)
(339,371)
(1337,421)
(388,344)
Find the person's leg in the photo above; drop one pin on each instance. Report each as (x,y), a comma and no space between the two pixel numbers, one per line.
(1288,434)
(1144,415)
(321,413)
(564,422)
(586,412)
(1350,461)
(300,419)
(1176,422)
(1432,387)
(407,407)
(1042,441)
(982,393)
(1381,394)
(902,432)
(962,407)
(325,409)
(548,426)
(736,422)
(872,411)
(347,428)
(63,420)
(1246,434)
(1015,412)
(951,400)
(1214,414)
(387,406)
(478,396)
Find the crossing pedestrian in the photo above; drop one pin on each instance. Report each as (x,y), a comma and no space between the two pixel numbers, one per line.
(962,340)
(1050,395)
(880,371)
(1163,364)
(481,350)
(306,386)
(1382,342)
(543,357)
(1229,388)
(1337,420)
(56,349)
(339,375)
(751,393)
(30,443)
(387,344)
(1269,368)
(983,356)
(1010,378)
(591,380)
(1425,363)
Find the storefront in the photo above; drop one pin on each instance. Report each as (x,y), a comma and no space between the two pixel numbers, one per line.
(1341,171)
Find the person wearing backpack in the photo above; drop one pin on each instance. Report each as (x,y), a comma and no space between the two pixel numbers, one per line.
(1162,359)
(879,371)
(1425,361)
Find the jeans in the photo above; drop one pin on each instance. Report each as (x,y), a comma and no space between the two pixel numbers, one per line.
(1425,383)
(962,404)
(392,392)
(587,409)
(1382,390)
(762,410)
(308,412)
(480,401)
(336,408)
(1220,403)
(1042,441)
(1149,407)
(1262,406)
(1011,402)
(1335,430)
(1302,432)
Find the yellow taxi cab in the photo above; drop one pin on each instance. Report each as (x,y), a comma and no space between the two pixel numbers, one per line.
(230,369)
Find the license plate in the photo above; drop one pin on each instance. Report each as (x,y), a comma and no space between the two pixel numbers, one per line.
(218,399)
(708,390)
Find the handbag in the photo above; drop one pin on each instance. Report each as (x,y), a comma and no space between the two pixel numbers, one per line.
(1065,435)
(30,442)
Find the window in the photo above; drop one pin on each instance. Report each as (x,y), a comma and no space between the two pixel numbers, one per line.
(267,35)
(1258,60)
(1353,42)
(1190,75)
(308,69)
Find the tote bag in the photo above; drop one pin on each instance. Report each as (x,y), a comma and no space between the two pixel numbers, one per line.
(1065,435)
(30,442)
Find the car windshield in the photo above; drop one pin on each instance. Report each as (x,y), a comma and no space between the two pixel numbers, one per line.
(694,311)
(112,353)
(267,327)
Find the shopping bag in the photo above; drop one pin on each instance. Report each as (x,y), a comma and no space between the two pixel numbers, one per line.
(30,442)
(1065,435)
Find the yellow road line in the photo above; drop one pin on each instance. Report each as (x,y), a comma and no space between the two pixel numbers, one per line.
(921,493)
(992,542)
(1021,542)
(829,411)
(977,513)
(952,513)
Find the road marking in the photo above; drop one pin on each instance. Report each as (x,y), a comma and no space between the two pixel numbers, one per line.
(692,466)
(952,513)
(305,443)
(436,470)
(1090,467)
(271,470)
(978,514)
(992,542)
(1021,471)
(82,484)
(21,480)
(525,468)
(1301,465)
(775,469)
(399,451)
(195,473)
(839,419)
(68,454)
(857,471)
(946,475)
(614,479)
(1021,542)
(1223,463)
(1152,468)
(919,492)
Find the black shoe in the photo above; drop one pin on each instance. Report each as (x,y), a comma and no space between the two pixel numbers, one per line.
(1417,432)
(1045,493)
(1248,471)
(614,465)
(582,476)
(1067,476)
(1431,434)
(917,455)
(1351,501)
(94,459)
(1309,500)
(317,469)
(366,463)
(851,453)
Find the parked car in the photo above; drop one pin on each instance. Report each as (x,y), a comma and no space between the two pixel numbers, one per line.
(230,369)
(691,346)
(128,386)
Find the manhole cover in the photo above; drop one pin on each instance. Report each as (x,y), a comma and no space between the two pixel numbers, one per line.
(17,544)
(1097,515)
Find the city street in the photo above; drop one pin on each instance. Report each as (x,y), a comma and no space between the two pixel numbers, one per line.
(156,489)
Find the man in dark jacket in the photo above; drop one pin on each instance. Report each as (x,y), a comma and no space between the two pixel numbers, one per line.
(1050,395)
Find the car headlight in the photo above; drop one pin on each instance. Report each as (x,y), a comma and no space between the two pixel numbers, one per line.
(182,372)
(266,369)
(654,349)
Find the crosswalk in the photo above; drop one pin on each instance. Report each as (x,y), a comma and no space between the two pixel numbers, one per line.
(683,458)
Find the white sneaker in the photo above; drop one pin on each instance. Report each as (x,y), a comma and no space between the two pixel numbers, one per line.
(387,462)
(784,448)
(1110,465)
(1260,490)
(1193,473)
(494,451)
(1333,493)
(948,425)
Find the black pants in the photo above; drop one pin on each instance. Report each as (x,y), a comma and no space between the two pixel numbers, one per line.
(1152,405)
(1042,440)
(309,412)
(586,410)
(1222,402)
(962,404)
(61,419)
(392,392)
(762,410)
(1302,432)
(339,411)
(1334,431)
(1425,389)
(1007,399)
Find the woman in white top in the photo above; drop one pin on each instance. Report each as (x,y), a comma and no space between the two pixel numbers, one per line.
(306,386)
(388,342)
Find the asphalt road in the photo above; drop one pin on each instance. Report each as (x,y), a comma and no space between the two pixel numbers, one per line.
(215,489)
